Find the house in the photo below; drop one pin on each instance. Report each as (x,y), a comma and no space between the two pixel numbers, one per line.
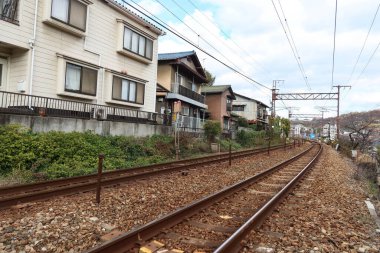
(86,51)
(329,131)
(253,110)
(219,101)
(179,79)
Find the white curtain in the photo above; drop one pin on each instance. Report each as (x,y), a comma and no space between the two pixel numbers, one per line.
(73,77)
(60,10)
(127,38)
(124,90)
(132,91)
(142,45)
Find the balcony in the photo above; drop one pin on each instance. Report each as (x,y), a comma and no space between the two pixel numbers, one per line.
(8,11)
(182,90)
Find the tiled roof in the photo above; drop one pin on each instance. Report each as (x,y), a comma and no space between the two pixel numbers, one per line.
(215,88)
(173,56)
(248,98)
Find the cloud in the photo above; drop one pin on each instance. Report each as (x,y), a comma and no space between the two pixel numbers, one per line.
(253,42)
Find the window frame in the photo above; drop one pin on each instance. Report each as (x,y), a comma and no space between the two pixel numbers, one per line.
(4,71)
(68,15)
(81,80)
(136,90)
(13,19)
(146,39)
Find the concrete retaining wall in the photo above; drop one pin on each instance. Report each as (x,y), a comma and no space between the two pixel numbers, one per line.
(45,124)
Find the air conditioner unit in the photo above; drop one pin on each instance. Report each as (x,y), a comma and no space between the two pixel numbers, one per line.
(99,114)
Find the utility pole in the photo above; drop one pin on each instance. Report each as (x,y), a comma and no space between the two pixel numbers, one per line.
(338,105)
(274,96)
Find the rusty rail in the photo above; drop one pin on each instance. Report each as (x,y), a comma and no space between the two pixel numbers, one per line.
(127,241)
(32,192)
(232,244)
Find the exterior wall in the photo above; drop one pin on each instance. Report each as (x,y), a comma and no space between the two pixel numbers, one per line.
(214,103)
(46,124)
(164,75)
(250,109)
(189,63)
(98,47)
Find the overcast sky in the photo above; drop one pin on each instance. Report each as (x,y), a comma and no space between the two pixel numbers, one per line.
(248,36)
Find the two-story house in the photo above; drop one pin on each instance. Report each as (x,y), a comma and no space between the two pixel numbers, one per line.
(93,51)
(179,98)
(253,110)
(219,101)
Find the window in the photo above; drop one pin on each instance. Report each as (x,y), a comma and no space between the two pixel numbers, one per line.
(3,71)
(80,79)
(185,110)
(180,80)
(238,108)
(1,74)
(71,12)
(127,90)
(8,10)
(137,43)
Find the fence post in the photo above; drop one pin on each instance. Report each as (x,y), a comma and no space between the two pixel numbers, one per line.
(100,168)
(268,145)
(284,143)
(230,155)
(294,143)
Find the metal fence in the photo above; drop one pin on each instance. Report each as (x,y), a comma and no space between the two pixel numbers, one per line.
(15,103)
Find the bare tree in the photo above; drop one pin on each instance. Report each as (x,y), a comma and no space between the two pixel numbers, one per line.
(360,132)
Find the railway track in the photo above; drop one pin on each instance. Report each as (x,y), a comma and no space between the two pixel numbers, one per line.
(220,221)
(18,194)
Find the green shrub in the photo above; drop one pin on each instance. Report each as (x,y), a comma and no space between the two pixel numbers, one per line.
(250,138)
(225,145)
(212,130)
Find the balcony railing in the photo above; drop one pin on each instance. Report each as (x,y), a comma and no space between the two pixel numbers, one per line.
(15,103)
(8,10)
(182,90)
(190,123)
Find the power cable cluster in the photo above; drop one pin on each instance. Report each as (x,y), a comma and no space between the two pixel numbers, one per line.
(167,27)
(291,42)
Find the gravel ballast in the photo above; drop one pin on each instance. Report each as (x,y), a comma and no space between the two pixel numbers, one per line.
(326,213)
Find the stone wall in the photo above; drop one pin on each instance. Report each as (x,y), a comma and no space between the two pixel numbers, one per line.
(45,124)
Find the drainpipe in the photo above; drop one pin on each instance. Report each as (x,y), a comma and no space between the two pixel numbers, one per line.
(31,45)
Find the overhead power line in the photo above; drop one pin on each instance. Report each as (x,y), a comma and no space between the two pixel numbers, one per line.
(176,33)
(333,56)
(199,36)
(228,36)
(292,45)
(365,42)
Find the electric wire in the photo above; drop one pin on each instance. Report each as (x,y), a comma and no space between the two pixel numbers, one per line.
(173,31)
(227,36)
(199,36)
(364,44)
(295,47)
(290,44)
(216,36)
(369,60)
(333,58)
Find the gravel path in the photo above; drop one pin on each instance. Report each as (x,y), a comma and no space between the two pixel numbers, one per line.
(76,223)
(327,213)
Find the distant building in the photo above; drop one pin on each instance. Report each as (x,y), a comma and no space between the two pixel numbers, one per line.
(329,131)
(219,101)
(253,110)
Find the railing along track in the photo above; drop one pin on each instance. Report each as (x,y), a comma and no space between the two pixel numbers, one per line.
(17,194)
(135,238)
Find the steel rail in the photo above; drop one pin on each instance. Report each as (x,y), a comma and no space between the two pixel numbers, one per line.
(126,241)
(232,244)
(40,191)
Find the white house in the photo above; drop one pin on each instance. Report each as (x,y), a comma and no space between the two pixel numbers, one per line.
(93,51)
(251,109)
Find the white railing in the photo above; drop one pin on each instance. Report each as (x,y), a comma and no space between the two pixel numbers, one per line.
(190,123)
